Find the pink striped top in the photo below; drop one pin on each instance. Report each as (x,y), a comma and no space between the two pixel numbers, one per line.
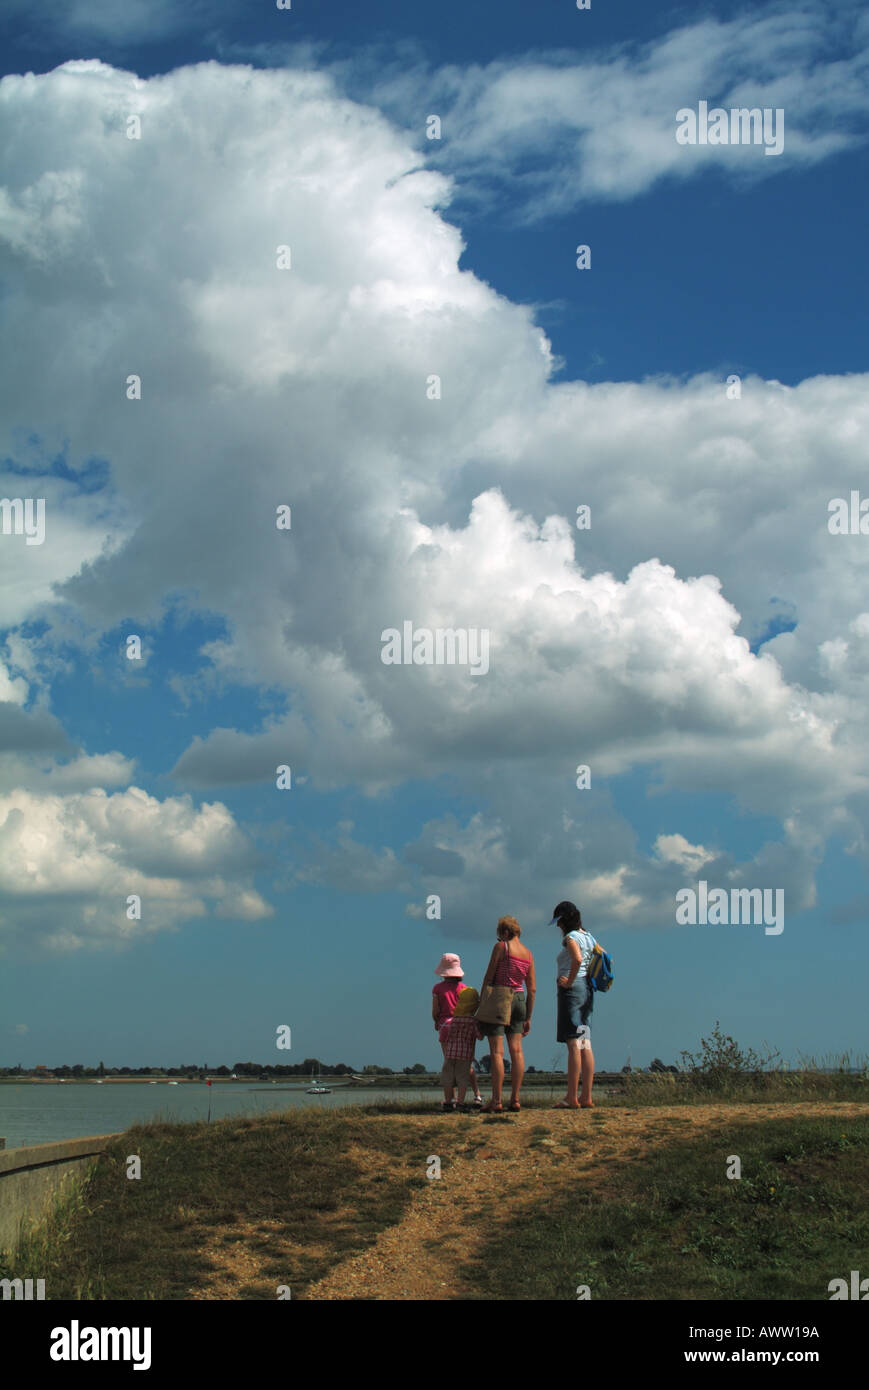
(512,971)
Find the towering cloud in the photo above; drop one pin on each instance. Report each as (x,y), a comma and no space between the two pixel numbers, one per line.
(274,267)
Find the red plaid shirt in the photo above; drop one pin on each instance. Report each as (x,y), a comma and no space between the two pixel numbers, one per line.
(461,1039)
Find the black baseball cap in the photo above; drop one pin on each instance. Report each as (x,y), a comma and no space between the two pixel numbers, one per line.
(564,909)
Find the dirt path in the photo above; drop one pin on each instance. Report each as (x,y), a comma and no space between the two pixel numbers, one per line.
(519,1156)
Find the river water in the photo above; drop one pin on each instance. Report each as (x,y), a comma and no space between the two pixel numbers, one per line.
(39,1114)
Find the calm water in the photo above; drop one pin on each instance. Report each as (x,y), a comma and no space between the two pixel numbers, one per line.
(42,1113)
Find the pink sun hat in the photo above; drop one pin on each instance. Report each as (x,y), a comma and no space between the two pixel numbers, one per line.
(449,965)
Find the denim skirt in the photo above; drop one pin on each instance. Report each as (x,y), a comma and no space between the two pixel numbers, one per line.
(574,1009)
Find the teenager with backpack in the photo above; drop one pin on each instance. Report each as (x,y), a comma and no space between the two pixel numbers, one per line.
(575,1003)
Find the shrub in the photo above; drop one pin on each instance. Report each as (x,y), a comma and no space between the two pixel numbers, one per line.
(722,1062)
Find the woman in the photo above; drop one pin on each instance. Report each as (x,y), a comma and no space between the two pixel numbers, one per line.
(575,1003)
(510,964)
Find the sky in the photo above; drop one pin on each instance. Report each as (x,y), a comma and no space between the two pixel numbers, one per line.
(299,346)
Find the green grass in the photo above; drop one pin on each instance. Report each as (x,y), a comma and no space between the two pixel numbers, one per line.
(664,1088)
(292,1177)
(673,1226)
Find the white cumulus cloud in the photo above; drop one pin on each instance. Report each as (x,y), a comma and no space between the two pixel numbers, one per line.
(68,864)
(262,387)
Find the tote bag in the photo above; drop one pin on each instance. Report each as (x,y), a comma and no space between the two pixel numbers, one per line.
(496,1001)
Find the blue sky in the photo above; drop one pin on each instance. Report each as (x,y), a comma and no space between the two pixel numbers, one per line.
(723,718)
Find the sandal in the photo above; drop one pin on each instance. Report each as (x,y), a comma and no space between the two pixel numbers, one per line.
(563,1105)
(491,1109)
(586,1105)
(514,1105)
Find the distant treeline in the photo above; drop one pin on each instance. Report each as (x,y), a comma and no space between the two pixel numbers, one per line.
(304,1068)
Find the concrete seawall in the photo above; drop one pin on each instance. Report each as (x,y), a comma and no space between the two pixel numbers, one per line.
(32,1178)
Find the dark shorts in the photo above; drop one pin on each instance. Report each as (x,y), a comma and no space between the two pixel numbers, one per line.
(574,1009)
(517,1018)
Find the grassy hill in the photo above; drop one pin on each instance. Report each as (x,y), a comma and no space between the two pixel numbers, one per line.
(631,1200)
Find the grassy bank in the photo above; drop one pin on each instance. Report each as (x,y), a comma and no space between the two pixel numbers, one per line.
(634,1202)
(674,1226)
(304,1177)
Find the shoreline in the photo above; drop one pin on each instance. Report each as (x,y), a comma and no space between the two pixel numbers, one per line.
(386,1082)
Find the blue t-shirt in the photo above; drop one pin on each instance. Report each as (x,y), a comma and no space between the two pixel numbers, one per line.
(586,944)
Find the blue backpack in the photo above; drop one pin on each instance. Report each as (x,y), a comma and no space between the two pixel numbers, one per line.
(600,969)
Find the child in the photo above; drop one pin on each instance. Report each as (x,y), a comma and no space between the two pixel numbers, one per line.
(462,1038)
(444,999)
